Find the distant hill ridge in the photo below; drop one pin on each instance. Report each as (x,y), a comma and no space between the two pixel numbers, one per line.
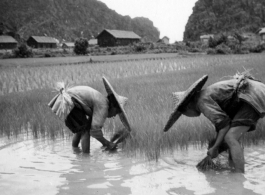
(68,19)
(215,16)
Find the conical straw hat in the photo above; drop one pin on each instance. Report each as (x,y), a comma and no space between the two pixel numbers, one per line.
(182,99)
(121,102)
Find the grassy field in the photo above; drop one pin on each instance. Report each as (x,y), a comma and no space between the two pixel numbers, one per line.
(36,77)
(14,62)
(148,84)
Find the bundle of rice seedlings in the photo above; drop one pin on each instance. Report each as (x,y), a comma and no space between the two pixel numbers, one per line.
(206,164)
(244,74)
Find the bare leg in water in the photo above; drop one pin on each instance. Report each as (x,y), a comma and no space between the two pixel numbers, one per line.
(232,139)
(76,139)
(84,137)
(85,142)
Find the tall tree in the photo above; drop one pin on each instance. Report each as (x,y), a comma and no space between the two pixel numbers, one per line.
(216,16)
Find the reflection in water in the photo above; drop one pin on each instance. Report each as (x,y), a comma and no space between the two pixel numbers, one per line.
(32,167)
(43,167)
(170,180)
(255,169)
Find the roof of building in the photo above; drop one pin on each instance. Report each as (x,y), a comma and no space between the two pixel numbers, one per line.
(69,44)
(44,39)
(122,34)
(165,37)
(262,31)
(206,36)
(7,39)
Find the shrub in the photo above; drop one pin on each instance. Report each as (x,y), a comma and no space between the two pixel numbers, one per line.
(194,50)
(7,55)
(195,44)
(48,55)
(23,51)
(181,47)
(211,51)
(239,37)
(212,43)
(65,51)
(233,45)
(152,46)
(258,49)
(223,49)
(138,47)
(217,40)
(241,50)
(81,46)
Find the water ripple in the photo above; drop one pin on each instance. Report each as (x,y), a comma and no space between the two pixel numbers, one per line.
(54,167)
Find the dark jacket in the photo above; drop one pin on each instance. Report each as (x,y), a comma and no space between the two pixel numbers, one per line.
(219,102)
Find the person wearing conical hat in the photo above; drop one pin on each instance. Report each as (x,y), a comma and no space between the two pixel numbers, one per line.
(233,106)
(85,110)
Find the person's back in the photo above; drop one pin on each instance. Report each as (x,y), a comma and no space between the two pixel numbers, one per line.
(91,99)
(254,94)
(220,91)
(226,94)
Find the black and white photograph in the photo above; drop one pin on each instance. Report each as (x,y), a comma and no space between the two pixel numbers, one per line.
(132,97)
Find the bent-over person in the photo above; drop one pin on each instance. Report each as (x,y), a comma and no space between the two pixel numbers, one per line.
(85,110)
(233,106)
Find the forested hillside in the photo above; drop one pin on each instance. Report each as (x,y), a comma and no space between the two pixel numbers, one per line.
(215,16)
(67,19)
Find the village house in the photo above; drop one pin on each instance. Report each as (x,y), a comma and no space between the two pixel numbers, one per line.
(117,38)
(92,42)
(262,34)
(164,40)
(42,42)
(205,38)
(68,45)
(7,42)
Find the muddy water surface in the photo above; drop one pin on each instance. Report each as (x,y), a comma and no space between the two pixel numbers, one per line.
(52,167)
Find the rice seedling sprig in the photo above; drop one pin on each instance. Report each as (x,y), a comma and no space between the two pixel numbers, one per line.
(206,164)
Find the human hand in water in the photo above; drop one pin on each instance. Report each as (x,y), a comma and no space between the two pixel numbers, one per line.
(111,146)
(213,152)
(120,136)
(108,144)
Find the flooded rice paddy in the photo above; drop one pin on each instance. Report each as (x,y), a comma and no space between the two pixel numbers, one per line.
(52,167)
(42,167)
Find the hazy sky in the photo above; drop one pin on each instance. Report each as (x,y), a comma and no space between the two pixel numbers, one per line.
(169,16)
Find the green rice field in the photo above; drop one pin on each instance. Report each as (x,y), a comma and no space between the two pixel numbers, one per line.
(148,83)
